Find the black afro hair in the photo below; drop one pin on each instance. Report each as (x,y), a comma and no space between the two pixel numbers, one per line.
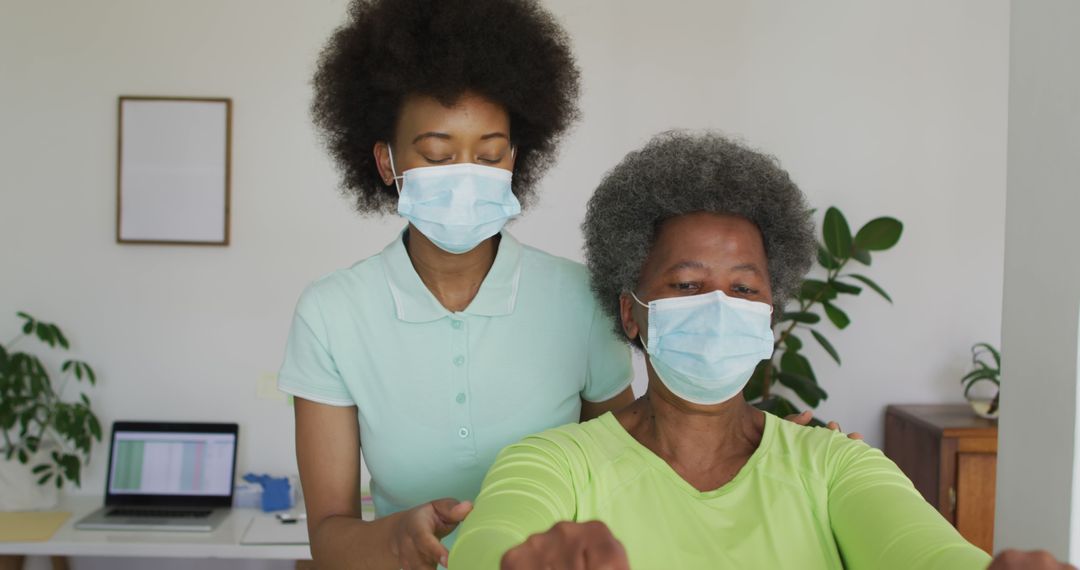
(511,52)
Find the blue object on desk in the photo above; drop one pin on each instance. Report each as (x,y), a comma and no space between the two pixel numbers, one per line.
(275,495)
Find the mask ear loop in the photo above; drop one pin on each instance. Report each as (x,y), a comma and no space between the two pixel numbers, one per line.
(639,301)
(393,170)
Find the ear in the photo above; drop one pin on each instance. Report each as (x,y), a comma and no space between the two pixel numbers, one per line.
(630,325)
(382,162)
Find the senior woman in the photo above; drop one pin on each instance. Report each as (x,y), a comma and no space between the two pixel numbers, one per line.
(693,244)
(455,340)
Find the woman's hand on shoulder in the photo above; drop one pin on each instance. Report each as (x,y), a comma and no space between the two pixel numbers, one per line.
(586,546)
(1033,560)
(416,538)
(805,416)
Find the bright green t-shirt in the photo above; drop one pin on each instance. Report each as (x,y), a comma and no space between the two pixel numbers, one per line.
(808,498)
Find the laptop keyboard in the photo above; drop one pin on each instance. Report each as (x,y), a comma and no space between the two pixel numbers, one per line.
(160,513)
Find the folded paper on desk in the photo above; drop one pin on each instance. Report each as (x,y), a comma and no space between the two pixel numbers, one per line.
(266,529)
(30,526)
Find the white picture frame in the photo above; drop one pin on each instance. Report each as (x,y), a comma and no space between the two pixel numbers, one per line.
(173,170)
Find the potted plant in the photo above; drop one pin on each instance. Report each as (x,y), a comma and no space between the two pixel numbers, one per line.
(982,383)
(46,438)
(789,366)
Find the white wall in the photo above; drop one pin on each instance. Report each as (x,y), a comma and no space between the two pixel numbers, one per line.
(1042,284)
(879,108)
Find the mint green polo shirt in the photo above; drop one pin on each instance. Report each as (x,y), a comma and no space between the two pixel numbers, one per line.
(439,393)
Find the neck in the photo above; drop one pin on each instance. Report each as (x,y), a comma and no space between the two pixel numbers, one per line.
(454,279)
(705,445)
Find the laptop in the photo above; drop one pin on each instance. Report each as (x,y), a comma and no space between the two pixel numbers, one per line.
(167,476)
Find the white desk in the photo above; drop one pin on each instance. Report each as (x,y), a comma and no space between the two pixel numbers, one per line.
(223,542)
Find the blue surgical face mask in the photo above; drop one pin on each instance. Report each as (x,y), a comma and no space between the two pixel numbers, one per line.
(705,347)
(457,206)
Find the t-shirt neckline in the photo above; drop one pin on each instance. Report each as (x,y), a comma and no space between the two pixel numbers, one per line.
(609,421)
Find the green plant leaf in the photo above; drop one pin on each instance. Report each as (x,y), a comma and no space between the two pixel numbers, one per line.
(793,342)
(28,326)
(814,290)
(837,234)
(70,464)
(981,374)
(796,363)
(45,334)
(60,338)
(826,259)
(40,468)
(804,317)
(90,373)
(777,406)
(879,234)
(756,386)
(847,288)
(807,389)
(826,345)
(95,427)
(838,317)
(866,281)
(859,254)
(978,347)
(44,479)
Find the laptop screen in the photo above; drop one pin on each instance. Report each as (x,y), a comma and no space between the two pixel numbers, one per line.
(159,463)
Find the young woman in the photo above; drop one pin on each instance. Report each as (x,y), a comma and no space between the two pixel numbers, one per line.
(456,339)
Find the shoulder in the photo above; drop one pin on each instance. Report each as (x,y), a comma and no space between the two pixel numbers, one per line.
(347,286)
(583,446)
(554,266)
(822,451)
(547,274)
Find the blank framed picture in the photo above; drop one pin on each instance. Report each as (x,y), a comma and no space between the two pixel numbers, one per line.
(173,170)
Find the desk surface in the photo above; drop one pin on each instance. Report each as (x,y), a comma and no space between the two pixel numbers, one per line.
(223,542)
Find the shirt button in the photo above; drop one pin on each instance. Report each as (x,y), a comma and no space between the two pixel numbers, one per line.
(456,324)
(461,398)
(463,432)
(458,361)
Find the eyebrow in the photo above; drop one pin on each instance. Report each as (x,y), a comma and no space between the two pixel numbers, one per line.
(692,264)
(446,136)
(749,267)
(689,264)
(431,134)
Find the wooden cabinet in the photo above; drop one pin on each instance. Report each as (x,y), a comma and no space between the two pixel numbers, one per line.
(951,456)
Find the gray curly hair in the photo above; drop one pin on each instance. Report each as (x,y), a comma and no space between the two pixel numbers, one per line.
(680,172)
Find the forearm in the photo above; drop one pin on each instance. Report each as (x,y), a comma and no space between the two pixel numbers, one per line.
(341,541)
(881,522)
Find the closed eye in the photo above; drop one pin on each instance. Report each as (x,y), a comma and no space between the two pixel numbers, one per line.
(686,286)
(437,160)
(743,290)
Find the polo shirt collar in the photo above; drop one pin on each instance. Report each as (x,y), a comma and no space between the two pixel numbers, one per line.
(414,303)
